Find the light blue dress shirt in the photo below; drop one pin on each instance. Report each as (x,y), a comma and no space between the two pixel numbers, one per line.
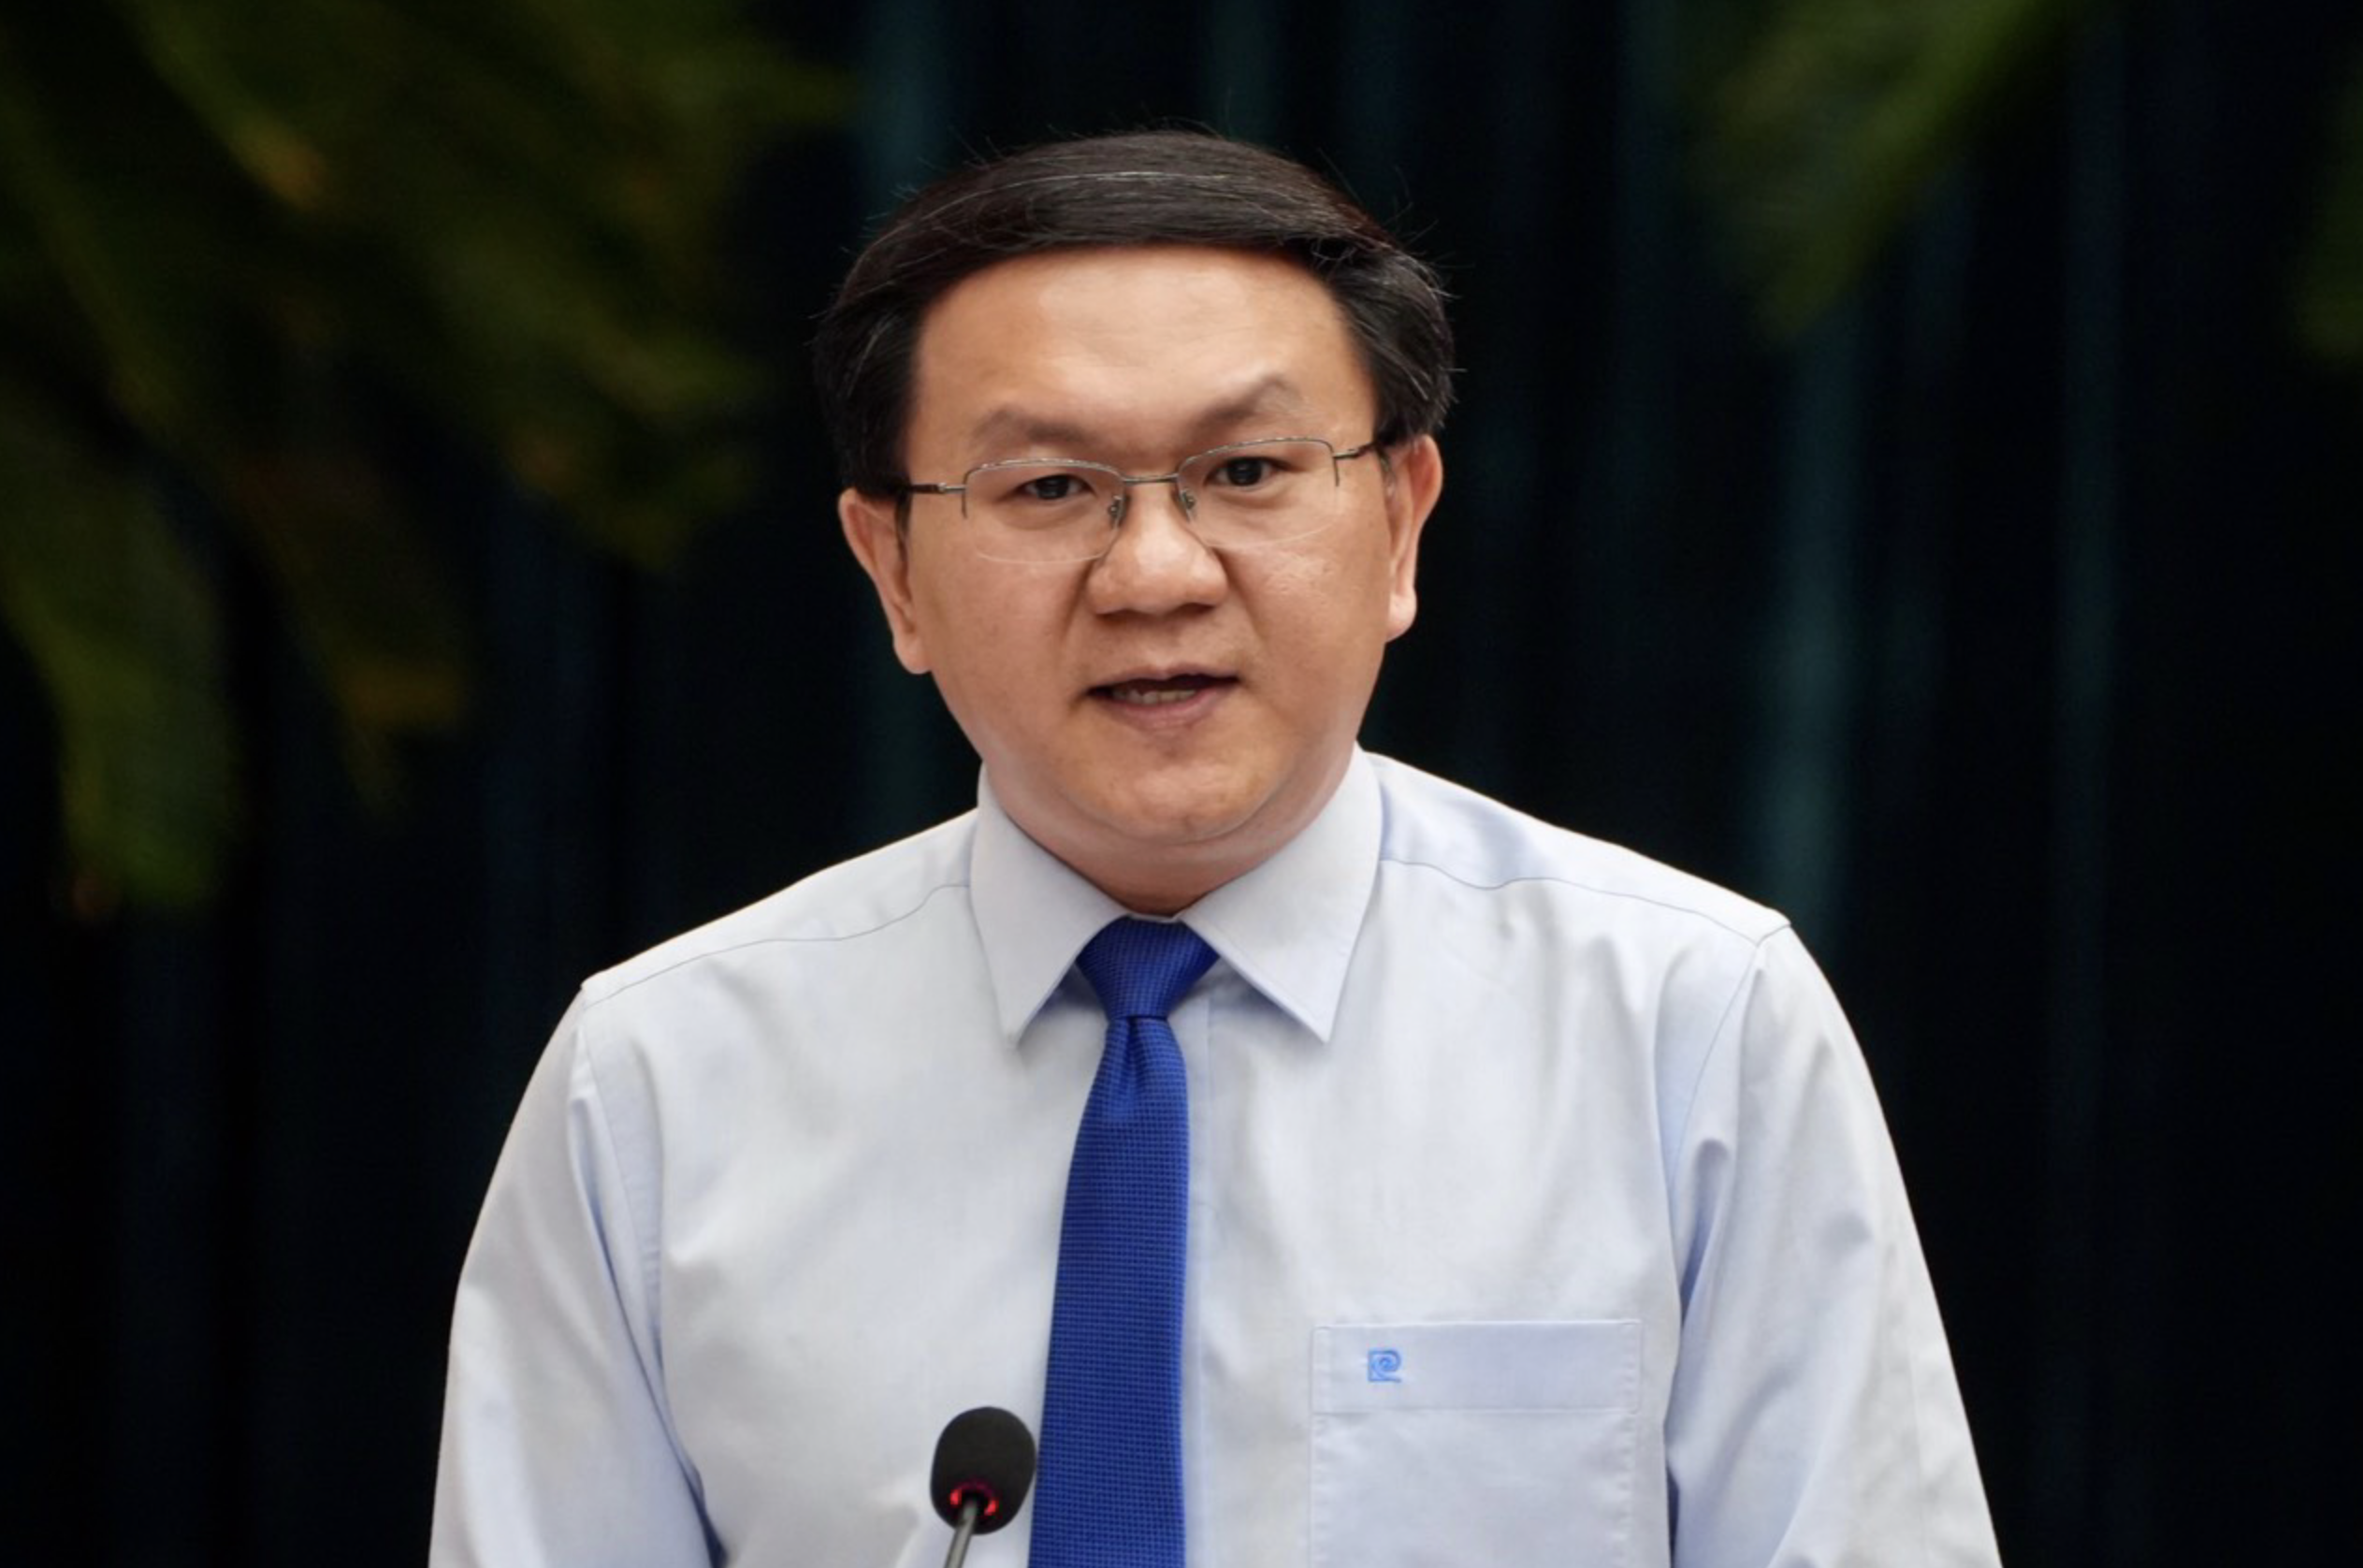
(1541,1214)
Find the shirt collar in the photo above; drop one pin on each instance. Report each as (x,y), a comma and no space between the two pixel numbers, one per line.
(1288,926)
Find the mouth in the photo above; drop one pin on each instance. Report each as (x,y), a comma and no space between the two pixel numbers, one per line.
(1154,691)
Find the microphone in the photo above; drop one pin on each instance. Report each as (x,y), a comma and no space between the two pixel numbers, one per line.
(984,1462)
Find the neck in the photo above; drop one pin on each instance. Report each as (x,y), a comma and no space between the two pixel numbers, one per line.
(1165,875)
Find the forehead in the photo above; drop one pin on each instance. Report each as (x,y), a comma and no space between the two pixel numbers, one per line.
(1143,344)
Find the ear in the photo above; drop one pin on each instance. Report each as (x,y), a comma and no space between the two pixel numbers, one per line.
(1415,479)
(877,540)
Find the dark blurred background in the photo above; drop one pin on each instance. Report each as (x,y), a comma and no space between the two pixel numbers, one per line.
(1906,470)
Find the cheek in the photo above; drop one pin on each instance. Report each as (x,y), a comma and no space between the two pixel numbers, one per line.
(995,649)
(1327,600)
(1317,582)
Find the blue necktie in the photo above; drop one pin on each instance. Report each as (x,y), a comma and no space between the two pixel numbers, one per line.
(1109,1493)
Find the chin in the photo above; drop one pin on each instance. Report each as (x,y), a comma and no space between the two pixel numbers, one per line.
(1190,805)
(1176,826)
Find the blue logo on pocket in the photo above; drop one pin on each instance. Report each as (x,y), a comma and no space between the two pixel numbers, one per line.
(1387,1366)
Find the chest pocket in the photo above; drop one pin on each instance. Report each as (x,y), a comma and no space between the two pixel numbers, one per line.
(1444,1444)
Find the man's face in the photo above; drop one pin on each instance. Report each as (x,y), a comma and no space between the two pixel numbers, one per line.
(1165,718)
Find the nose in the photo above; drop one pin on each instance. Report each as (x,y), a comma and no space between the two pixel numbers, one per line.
(1157,563)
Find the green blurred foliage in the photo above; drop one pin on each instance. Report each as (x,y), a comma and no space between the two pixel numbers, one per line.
(227,226)
(2329,291)
(1825,122)
(1823,125)
(120,625)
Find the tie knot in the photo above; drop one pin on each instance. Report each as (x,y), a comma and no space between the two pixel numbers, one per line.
(1140,967)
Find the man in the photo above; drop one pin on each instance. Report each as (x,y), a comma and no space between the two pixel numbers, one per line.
(1471,1192)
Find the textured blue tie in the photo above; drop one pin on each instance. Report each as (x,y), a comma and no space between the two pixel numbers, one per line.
(1109,1493)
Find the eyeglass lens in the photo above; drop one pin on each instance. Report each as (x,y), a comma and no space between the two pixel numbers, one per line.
(1237,497)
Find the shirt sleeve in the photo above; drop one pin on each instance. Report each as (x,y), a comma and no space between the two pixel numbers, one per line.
(1814,1420)
(556,1447)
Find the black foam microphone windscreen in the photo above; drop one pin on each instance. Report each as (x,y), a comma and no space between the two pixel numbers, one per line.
(985,1456)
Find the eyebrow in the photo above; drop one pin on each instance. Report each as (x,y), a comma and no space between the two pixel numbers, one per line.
(1272,395)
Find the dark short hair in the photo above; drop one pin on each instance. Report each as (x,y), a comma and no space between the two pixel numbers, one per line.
(1142,188)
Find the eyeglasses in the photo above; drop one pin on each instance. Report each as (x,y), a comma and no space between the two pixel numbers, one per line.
(1044,510)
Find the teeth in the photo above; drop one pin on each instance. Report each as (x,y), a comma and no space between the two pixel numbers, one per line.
(1154,696)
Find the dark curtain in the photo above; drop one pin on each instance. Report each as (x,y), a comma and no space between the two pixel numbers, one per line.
(2001,629)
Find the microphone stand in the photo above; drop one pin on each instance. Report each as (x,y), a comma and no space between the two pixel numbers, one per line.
(961,1531)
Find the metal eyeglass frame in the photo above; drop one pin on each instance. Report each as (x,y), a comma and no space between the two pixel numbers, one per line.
(1122,501)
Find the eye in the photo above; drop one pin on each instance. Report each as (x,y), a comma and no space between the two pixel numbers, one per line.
(1026,486)
(1053,486)
(1258,472)
(1244,472)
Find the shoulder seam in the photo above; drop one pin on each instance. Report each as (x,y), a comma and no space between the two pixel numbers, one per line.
(1754,939)
(621,987)
(1716,1038)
